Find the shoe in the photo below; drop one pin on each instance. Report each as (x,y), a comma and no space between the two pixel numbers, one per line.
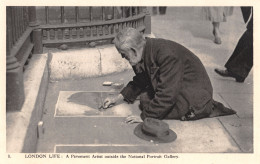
(217,40)
(226,73)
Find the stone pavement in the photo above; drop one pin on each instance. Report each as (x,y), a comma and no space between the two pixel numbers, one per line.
(72,132)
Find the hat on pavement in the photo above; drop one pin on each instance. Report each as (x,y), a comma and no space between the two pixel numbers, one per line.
(155,130)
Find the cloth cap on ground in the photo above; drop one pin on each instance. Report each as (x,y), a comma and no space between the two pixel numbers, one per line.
(155,130)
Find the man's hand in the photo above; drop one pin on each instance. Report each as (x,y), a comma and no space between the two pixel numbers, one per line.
(133,119)
(112,100)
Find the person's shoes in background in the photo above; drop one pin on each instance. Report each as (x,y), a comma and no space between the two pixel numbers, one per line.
(162,10)
(217,40)
(226,73)
(154,10)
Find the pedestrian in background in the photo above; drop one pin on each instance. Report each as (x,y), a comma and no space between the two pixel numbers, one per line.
(217,15)
(240,63)
(162,10)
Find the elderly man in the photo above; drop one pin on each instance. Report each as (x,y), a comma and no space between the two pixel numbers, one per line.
(171,80)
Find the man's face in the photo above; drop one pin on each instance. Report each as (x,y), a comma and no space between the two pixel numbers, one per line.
(131,55)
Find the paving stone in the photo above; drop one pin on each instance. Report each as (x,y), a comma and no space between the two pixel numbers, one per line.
(218,98)
(111,60)
(87,104)
(229,85)
(242,103)
(241,130)
(113,132)
(66,132)
(75,64)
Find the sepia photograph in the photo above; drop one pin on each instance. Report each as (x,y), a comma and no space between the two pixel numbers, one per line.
(151,82)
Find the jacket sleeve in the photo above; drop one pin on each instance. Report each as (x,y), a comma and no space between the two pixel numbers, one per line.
(134,87)
(169,78)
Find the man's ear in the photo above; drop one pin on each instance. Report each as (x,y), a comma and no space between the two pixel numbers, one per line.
(134,50)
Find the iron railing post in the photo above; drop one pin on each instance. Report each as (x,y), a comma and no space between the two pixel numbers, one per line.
(14,72)
(37,33)
(37,40)
(147,21)
(32,16)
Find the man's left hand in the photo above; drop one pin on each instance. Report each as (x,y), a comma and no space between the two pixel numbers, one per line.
(133,119)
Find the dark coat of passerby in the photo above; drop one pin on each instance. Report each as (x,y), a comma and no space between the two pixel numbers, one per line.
(240,63)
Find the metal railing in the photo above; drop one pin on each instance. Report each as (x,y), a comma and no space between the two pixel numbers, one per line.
(17,24)
(96,23)
(19,47)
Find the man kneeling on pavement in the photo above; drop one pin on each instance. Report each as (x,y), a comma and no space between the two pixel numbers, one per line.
(171,81)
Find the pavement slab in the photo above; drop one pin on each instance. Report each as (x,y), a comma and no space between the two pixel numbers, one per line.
(75,64)
(111,60)
(87,104)
(218,98)
(245,109)
(228,85)
(113,134)
(241,130)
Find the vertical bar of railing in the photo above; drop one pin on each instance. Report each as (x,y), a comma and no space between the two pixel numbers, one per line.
(103,13)
(47,22)
(114,14)
(9,29)
(62,14)
(18,21)
(13,25)
(123,12)
(22,20)
(32,16)
(131,12)
(77,14)
(114,17)
(103,19)
(90,14)
(90,19)
(77,20)
(17,24)
(47,14)
(27,18)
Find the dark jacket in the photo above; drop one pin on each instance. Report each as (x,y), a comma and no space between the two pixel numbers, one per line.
(176,78)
